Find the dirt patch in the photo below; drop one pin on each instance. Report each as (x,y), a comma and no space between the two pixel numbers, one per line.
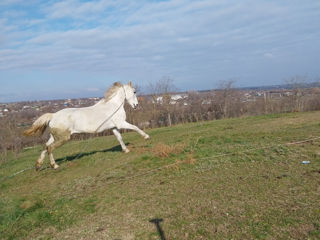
(27,204)
(301,231)
(139,149)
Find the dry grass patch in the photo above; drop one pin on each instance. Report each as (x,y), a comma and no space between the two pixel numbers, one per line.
(189,160)
(163,150)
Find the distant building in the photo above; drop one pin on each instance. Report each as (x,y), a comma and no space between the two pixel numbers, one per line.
(177,97)
(173,98)
(206,102)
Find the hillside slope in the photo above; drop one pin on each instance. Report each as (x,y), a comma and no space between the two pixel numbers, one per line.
(234,178)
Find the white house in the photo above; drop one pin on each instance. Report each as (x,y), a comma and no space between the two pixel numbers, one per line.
(173,98)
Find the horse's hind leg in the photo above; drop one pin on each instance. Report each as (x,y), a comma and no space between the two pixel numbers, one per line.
(118,136)
(60,137)
(43,153)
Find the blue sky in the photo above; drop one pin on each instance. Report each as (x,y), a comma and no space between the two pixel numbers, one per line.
(75,48)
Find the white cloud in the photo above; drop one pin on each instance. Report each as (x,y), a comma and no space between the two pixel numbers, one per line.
(77,9)
(148,39)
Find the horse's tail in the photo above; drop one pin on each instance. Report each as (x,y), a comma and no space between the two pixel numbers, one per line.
(39,126)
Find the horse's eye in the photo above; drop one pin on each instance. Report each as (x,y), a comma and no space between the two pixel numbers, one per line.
(134,92)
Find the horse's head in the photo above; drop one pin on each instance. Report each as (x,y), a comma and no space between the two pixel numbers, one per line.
(130,94)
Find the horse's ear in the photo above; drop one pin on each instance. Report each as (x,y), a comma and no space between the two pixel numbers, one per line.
(130,84)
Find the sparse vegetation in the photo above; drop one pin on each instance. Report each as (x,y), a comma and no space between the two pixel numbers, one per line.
(228,179)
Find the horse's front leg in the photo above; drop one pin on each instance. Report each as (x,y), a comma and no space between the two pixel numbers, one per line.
(118,136)
(127,125)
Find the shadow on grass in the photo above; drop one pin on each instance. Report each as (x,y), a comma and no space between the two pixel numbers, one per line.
(156,222)
(84,154)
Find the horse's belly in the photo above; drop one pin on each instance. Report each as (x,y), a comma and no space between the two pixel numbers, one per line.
(84,120)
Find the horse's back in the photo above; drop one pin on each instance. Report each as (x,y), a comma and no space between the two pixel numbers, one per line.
(63,118)
(74,119)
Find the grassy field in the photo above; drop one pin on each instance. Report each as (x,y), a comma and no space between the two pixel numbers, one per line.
(226,179)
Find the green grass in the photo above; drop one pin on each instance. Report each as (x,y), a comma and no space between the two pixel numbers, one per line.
(226,179)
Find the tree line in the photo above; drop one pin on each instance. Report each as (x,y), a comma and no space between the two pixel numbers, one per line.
(159,109)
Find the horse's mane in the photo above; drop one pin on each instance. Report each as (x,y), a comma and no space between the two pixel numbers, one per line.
(112,90)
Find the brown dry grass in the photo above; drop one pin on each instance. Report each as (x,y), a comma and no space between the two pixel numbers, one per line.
(189,160)
(163,150)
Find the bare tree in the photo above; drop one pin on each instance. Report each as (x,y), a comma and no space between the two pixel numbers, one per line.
(297,83)
(3,148)
(10,136)
(164,85)
(225,95)
(160,91)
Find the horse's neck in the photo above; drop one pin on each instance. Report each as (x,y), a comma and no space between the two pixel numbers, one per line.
(114,102)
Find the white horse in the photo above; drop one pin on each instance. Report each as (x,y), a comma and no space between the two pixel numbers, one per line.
(108,113)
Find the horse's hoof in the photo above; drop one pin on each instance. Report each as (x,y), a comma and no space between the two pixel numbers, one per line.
(126,150)
(37,167)
(54,166)
(147,137)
